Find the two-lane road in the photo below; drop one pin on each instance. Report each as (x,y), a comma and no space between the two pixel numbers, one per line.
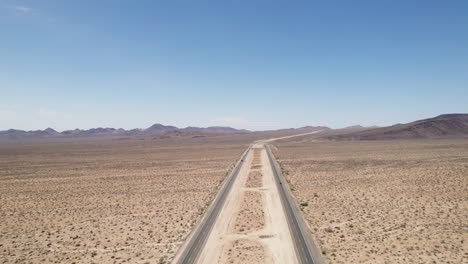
(290,240)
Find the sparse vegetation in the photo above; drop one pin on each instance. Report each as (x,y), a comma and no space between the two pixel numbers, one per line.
(245,251)
(251,215)
(105,201)
(391,195)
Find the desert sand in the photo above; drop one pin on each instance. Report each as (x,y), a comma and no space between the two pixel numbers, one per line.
(244,251)
(105,201)
(251,216)
(382,201)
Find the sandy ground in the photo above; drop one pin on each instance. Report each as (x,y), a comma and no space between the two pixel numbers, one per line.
(383,201)
(251,216)
(252,227)
(105,201)
(245,251)
(255,179)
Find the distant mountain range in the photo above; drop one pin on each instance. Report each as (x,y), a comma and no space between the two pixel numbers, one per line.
(446,126)
(302,129)
(162,131)
(104,132)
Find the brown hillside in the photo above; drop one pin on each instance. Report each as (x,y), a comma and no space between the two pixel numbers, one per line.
(449,125)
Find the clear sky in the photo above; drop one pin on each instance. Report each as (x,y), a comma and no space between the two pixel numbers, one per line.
(247,64)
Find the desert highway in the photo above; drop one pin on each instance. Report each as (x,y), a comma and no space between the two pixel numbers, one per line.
(302,246)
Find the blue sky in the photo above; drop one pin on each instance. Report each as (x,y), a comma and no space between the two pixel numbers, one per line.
(248,64)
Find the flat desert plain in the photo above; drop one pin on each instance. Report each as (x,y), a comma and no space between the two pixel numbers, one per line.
(106,201)
(382,201)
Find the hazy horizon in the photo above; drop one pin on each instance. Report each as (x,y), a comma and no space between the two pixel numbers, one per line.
(240,128)
(249,65)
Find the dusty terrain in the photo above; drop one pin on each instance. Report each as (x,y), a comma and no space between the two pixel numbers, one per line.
(382,201)
(250,216)
(245,251)
(254,180)
(106,201)
(255,175)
